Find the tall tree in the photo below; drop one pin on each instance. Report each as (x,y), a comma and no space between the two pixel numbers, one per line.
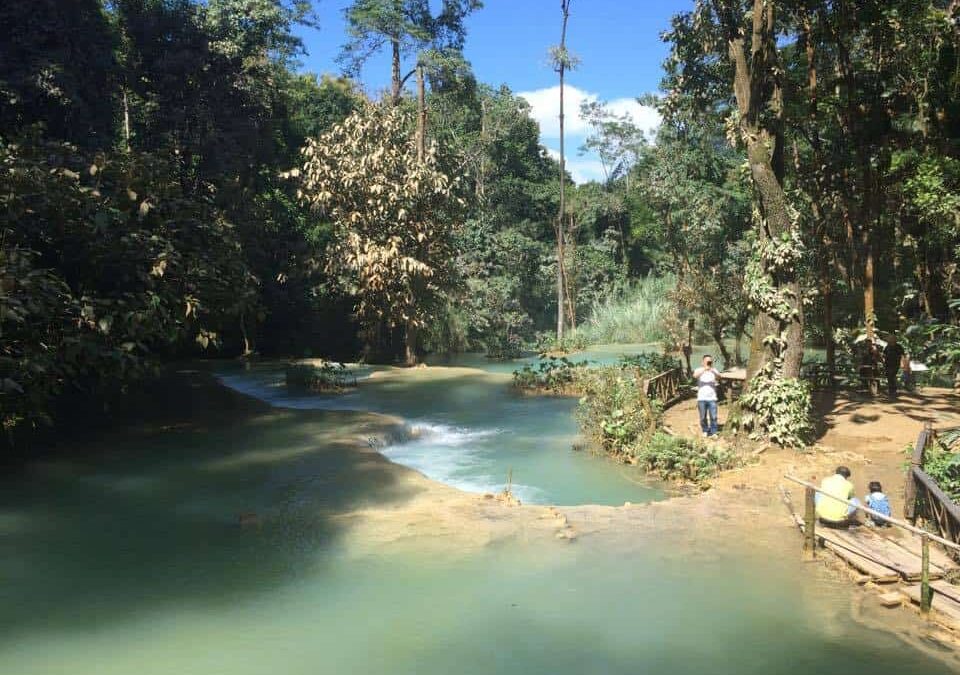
(394,213)
(726,53)
(562,62)
(729,47)
(58,68)
(408,27)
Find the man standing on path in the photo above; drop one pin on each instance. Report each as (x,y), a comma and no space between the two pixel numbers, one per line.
(892,355)
(706,377)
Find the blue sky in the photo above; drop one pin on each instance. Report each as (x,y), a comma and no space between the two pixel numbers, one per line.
(618,42)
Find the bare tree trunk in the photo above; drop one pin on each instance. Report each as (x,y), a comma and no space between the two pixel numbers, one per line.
(821,232)
(740,327)
(717,336)
(421,117)
(411,330)
(247,341)
(869,307)
(126,121)
(482,168)
(395,81)
(561,67)
(411,341)
(569,286)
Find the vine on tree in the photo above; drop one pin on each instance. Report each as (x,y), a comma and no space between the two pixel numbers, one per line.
(776,407)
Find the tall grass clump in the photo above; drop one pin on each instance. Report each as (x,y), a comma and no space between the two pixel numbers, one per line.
(631,315)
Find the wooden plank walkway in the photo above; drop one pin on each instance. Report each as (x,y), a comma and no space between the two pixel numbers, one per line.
(886,559)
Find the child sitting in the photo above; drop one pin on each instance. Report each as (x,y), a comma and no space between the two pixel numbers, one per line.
(877,501)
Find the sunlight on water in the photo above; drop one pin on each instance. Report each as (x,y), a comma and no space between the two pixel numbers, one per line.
(128,559)
(471,431)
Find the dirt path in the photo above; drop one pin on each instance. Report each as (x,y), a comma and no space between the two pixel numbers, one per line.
(869,435)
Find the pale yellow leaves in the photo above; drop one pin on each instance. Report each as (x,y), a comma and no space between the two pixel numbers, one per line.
(393,216)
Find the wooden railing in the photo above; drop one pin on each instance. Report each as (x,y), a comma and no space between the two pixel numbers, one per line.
(810,537)
(924,501)
(667,387)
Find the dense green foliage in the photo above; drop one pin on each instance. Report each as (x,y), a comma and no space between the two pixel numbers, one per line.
(614,412)
(323,376)
(618,417)
(143,212)
(556,375)
(942,462)
(675,458)
(804,186)
(779,409)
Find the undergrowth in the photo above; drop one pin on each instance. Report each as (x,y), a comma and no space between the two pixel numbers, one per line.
(942,463)
(634,315)
(675,458)
(556,375)
(327,376)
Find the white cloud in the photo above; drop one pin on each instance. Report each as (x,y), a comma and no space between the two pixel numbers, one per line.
(582,169)
(545,109)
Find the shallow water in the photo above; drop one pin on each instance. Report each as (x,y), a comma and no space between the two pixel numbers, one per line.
(127,559)
(472,432)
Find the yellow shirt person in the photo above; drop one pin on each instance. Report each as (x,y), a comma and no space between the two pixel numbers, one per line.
(836,485)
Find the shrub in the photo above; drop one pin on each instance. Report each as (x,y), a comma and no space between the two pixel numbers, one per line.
(943,465)
(547,343)
(616,416)
(778,409)
(650,363)
(634,315)
(555,374)
(674,458)
(613,411)
(326,376)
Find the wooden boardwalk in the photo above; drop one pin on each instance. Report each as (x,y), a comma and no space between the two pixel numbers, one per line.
(893,557)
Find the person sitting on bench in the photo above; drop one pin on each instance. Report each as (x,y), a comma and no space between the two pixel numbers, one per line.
(833,512)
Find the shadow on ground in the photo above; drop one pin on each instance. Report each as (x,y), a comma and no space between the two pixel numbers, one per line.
(834,409)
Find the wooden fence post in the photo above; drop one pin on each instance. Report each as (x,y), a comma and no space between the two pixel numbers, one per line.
(809,526)
(926,593)
(916,461)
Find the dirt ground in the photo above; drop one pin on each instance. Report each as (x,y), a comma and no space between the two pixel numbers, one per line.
(868,435)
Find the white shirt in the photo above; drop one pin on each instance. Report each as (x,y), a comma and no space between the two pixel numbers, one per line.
(706,384)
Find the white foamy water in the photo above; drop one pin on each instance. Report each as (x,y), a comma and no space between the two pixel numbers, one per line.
(457,456)
(471,432)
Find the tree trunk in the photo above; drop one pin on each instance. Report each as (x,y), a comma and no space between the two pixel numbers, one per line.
(569,285)
(482,164)
(869,307)
(760,102)
(826,288)
(718,339)
(411,344)
(821,232)
(776,221)
(395,81)
(421,117)
(739,329)
(562,66)
(930,276)
(247,342)
(126,121)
